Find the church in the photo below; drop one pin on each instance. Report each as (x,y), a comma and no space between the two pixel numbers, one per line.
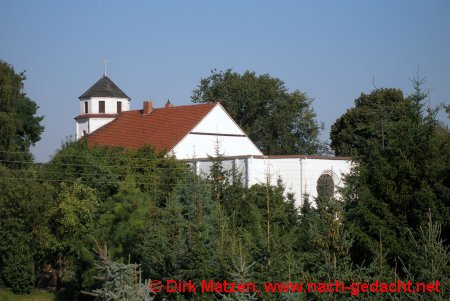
(192,133)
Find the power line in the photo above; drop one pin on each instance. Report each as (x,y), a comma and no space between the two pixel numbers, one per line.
(92,156)
(90,165)
(151,184)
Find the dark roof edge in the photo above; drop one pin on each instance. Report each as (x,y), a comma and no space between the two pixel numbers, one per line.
(275,157)
(96,116)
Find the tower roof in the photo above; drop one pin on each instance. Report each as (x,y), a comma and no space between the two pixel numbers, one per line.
(104,87)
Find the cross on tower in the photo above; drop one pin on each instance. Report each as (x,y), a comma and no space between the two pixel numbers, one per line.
(104,62)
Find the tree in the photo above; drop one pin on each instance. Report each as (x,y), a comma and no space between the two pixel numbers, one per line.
(329,235)
(278,121)
(24,234)
(119,281)
(402,171)
(161,246)
(72,220)
(366,123)
(19,127)
(242,274)
(124,218)
(431,258)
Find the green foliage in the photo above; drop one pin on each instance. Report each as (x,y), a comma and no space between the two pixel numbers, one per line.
(17,268)
(24,232)
(365,125)
(329,235)
(198,211)
(275,230)
(35,295)
(431,259)
(120,281)
(19,127)
(241,274)
(276,120)
(180,240)
(402,171)
(104,168)
(308,216)
(162,243)
(72,217)
(123,218)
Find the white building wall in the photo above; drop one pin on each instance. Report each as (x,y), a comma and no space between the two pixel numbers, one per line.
(314,168)
(217,128)
(299,175)
(82,127)
(202,146)
(90,124)
(95,123)
(218,121)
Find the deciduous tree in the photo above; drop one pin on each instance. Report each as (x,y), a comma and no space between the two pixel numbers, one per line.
(278,121)
(20,128)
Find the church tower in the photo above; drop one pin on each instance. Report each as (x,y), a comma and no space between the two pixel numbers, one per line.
(99,105)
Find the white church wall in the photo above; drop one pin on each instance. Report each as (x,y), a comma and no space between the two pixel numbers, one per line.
(89,125)
(257,171)
(82,127)
(110,105)
(217,128)
(217,121)
(82,107)
(96,123)
(314,168)
(299,174)
(238,165)
(202,146)
(286,169)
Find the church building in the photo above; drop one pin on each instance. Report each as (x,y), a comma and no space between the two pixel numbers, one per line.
(192,133)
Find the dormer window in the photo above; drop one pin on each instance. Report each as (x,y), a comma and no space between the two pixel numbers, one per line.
(86,107)
(119,107)
(101,106)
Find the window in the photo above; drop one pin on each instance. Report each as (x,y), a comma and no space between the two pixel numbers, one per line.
(119,107)
(325,186)
(86,107)
(101,106)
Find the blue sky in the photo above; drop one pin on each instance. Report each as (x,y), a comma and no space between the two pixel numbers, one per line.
(160,50)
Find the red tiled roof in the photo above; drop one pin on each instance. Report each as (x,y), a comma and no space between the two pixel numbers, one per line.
(163,128)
